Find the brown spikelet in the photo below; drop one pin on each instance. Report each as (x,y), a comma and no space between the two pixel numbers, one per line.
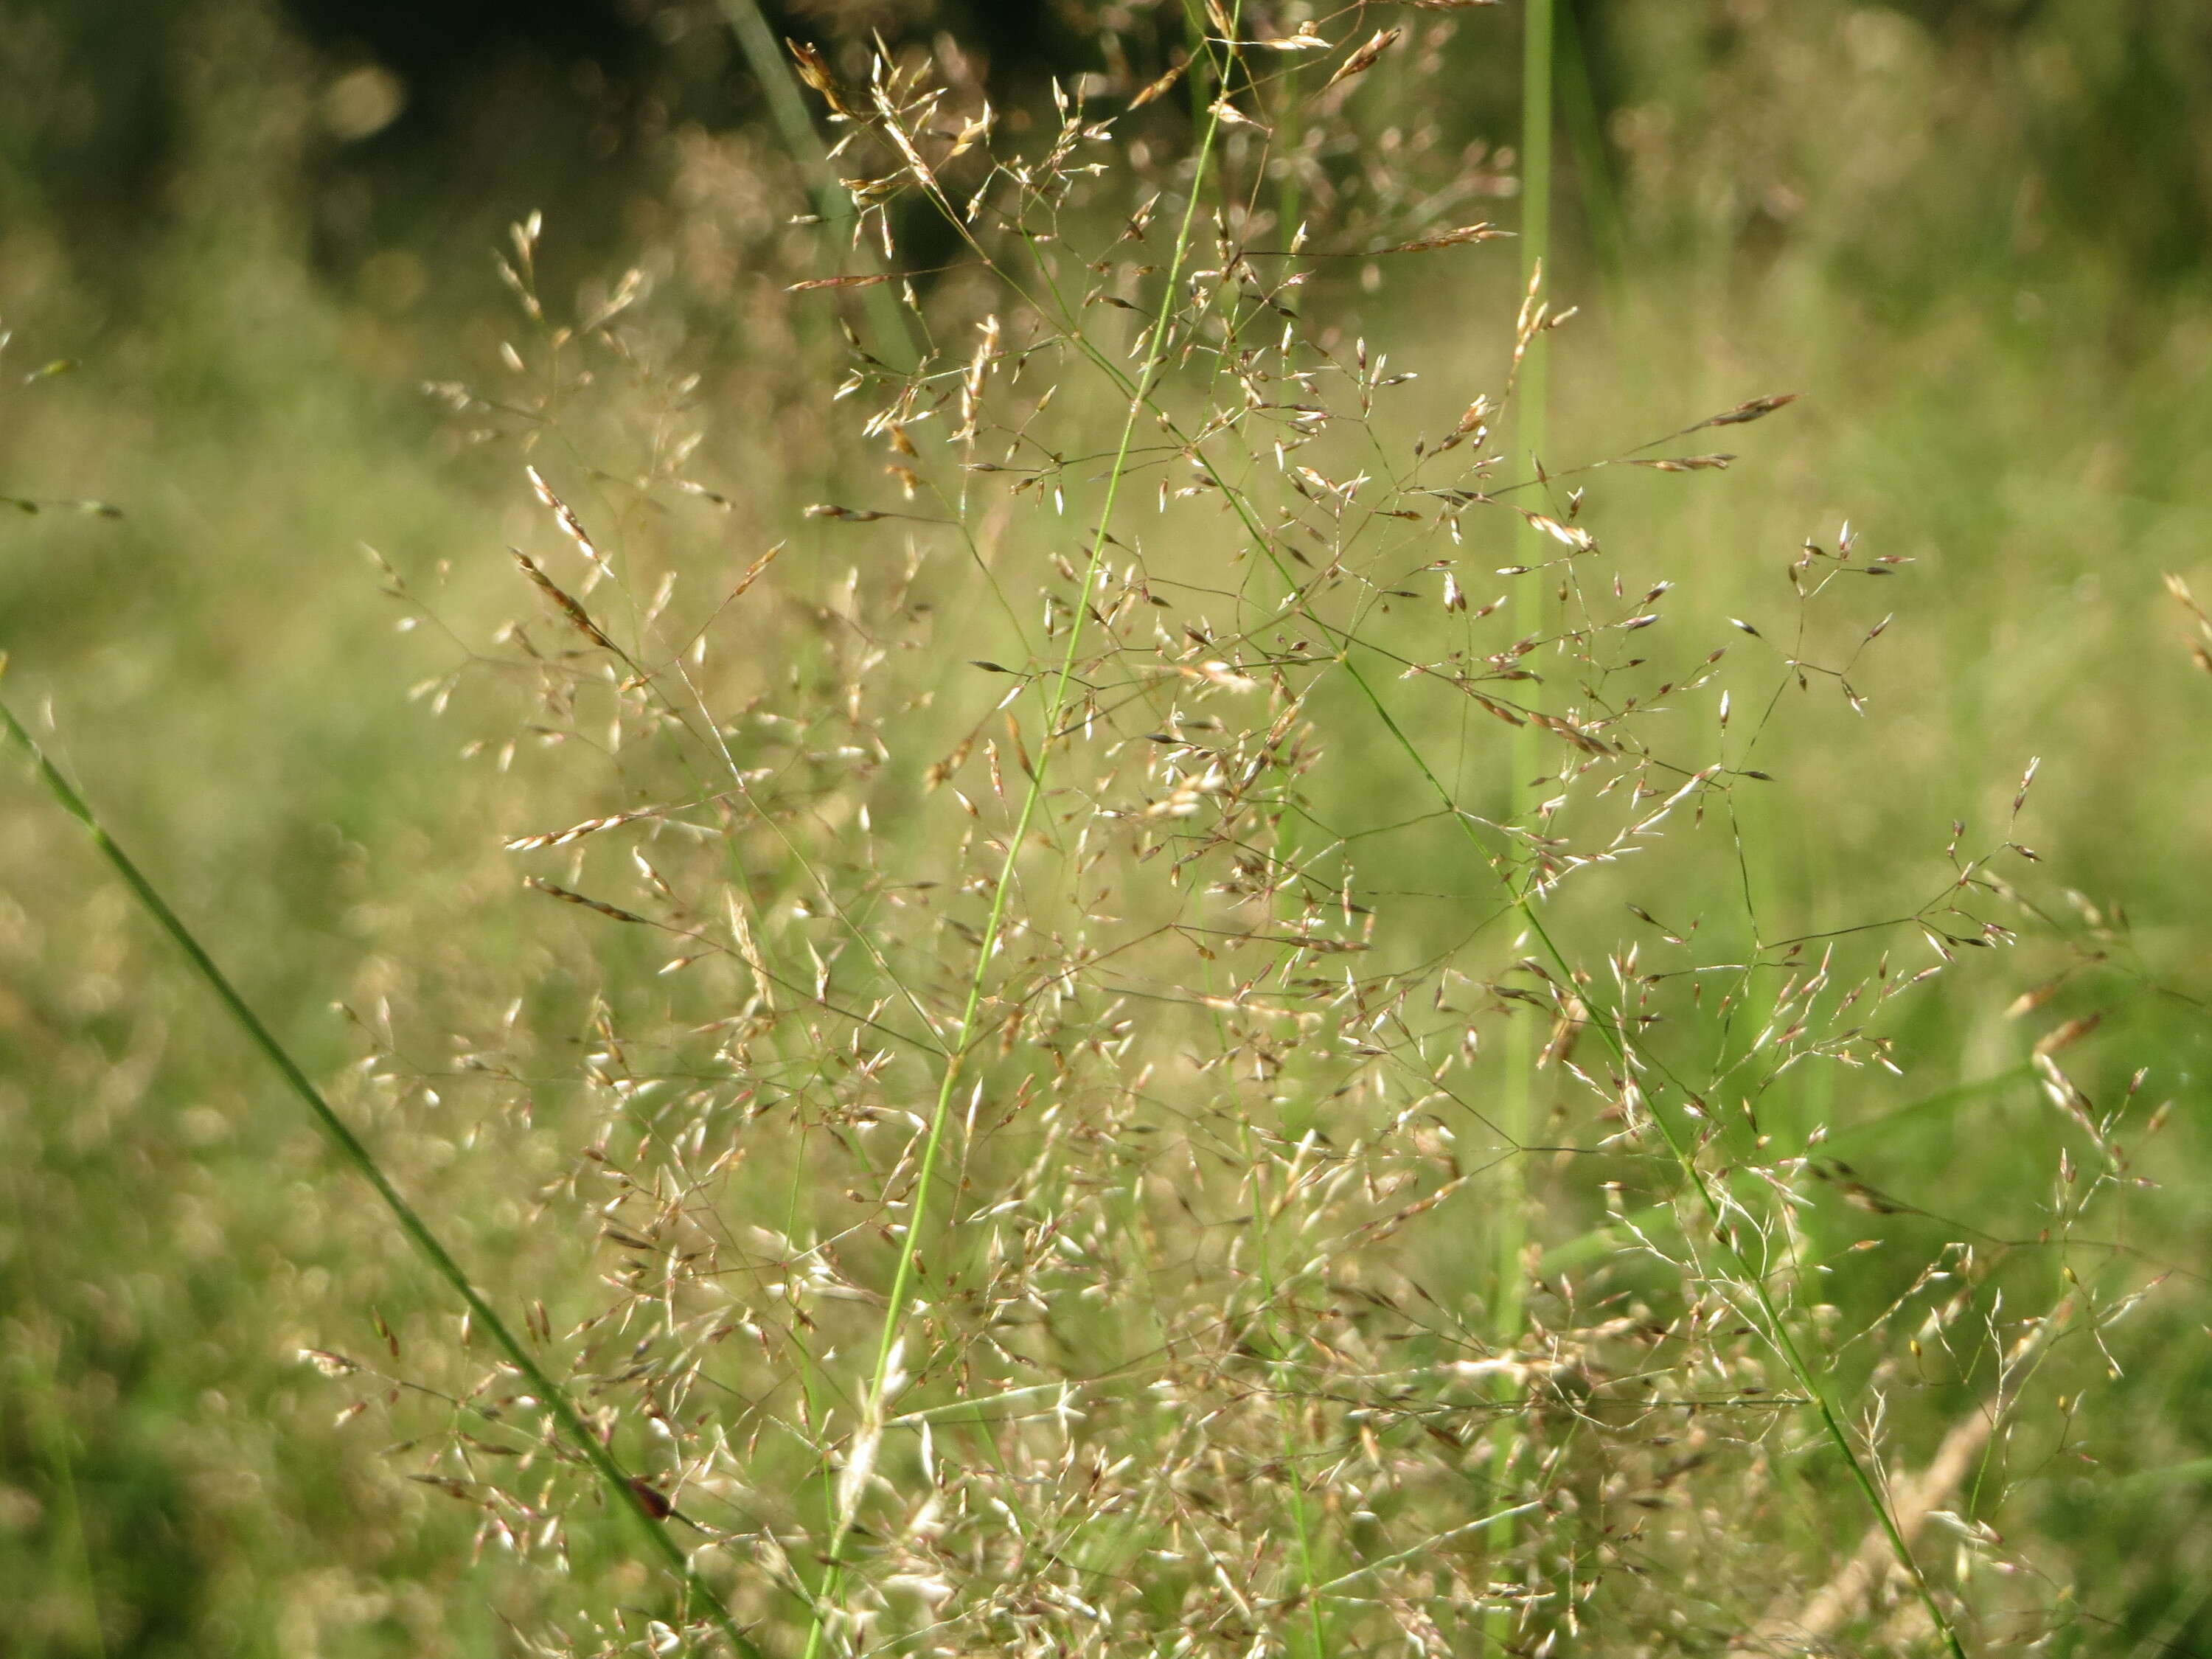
(553,891)
(651,1498)
(1364,59)
(1161,87)
(577,831)
(813,283)
(577,616)
(814,70)
(1757,409)
(2066,1036)
(753,570)
(1459,237)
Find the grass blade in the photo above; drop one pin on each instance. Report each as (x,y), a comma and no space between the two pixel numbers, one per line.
(363,1163)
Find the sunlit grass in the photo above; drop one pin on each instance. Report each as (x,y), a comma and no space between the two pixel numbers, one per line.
(226,688)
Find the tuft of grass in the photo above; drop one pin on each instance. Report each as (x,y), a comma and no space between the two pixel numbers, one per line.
(1201,1024)
(1147,994)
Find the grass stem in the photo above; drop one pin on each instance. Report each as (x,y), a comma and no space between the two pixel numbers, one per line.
(902,1279)
(1530,413)
(357,1157)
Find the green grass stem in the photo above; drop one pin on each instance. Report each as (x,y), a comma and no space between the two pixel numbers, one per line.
(357,1155)
(902,1278)
(1530,416)
(772,69)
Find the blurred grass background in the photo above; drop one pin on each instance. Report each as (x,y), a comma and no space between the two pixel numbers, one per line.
(1974,232)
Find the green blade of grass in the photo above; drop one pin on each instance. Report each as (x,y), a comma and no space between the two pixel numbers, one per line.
(357,1155)
(772,68)
(902,1279)
(1508,1311)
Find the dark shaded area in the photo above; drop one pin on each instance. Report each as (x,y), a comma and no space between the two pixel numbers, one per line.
(436,119)
(432,124)
(107,1506)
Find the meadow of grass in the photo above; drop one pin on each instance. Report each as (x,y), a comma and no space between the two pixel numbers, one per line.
(1046,1172)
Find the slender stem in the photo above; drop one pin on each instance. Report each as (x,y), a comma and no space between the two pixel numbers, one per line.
(772,69)
(902,1277)
(1536,140)
(549,1395)
(1516,1105)
(48,1428)
(1594,182)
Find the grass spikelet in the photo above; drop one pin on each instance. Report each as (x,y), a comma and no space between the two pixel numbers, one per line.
(578,618)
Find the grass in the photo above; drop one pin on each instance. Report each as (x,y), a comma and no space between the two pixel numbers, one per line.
(1003,1140)
(581,1439)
